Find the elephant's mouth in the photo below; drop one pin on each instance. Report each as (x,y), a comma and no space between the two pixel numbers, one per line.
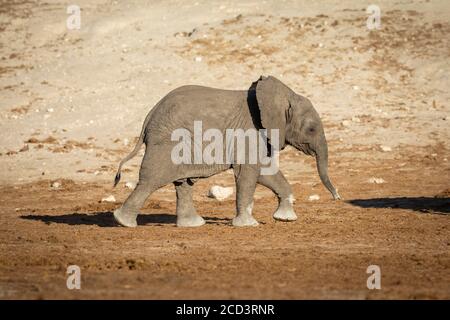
(306,149)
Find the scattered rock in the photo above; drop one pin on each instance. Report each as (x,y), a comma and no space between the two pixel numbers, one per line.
(185,34)
(49,140)
(356,119)
(345,123)
(109,198)
(377,180)
(56,185)
(24,148)
(198,59)
(220,193)
(314,197)
(130,185)
(33,140)
(385,148)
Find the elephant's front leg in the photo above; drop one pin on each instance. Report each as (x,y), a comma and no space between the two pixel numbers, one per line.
(186,214)
(246,177)
(280,186)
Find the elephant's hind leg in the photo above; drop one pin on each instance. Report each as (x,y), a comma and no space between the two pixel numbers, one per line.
(280,186)
(186,214)
(127,214)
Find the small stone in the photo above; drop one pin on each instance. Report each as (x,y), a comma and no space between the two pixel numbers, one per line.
(50,110)
(109,198)
(220,193)
(355,88)
(314,197)
(56,185)
(377,180)
(126,142)
(198,59)
(345,123)
(434,155)
(385,148)
(130,185)
(356,119)
(24,148)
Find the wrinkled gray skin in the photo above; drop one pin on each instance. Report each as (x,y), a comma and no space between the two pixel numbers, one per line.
(267,104)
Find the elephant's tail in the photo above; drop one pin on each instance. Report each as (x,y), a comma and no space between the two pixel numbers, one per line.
(135,150)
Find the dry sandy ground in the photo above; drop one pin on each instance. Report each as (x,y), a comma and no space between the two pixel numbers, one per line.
(73,101)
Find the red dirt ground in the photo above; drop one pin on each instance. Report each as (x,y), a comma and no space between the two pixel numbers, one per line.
(401,225)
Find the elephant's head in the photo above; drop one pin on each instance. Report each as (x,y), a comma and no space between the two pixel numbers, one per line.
(298,122)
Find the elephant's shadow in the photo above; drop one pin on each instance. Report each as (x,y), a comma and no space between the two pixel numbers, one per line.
(431,205)
(106,220)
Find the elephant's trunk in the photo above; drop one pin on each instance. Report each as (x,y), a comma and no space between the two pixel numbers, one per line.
(322,168)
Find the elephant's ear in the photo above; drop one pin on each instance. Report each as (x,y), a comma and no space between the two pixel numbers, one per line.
(273,102)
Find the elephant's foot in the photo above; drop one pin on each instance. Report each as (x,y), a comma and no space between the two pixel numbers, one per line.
(244,220)
(126,220)
(285,214)
(192,220)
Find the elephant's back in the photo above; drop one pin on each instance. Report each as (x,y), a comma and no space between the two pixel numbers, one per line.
(215,108)
(192,97)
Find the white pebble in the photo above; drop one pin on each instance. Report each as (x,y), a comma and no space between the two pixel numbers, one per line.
(198,59)
(385,148)
(345,123)
(314,197)
(109,198)
(220,193)
(377,180)
(126,142)
(56,185)
(130,185)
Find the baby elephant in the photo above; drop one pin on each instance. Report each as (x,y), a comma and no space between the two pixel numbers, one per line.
(177,129)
